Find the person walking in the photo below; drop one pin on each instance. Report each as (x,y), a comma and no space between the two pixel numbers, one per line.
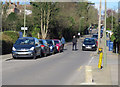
(63,41)
(74,41)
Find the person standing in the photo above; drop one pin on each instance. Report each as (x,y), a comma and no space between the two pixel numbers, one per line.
(74,41)
(63,41)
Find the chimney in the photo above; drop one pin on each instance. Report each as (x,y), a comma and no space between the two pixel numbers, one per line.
(13,2)
(9,1)
(6,2)
(18,2)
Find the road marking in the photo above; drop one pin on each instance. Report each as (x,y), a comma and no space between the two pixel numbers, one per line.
(80,68)
(90,60)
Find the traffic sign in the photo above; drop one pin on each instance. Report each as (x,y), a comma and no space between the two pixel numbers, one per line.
(24,28)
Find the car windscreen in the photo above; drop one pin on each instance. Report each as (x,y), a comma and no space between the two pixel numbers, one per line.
(56,42)
(25,41)
(89,41)
(49,42)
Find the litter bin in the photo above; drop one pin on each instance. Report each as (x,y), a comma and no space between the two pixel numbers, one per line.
(108,41)
(110,46)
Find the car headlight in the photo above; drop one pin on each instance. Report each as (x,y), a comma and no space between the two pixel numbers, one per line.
(32,48)
(51,47)
(93,45)
(13,49)
(83,45)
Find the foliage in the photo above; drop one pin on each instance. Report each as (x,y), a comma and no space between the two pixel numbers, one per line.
(11,34)
(35,31)
(112,38)
(109,22)
(6,44)
(117,33)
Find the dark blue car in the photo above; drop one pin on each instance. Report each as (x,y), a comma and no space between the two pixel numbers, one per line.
(26,47)
(52,46)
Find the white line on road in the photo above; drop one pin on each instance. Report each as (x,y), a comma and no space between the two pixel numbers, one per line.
(90,60)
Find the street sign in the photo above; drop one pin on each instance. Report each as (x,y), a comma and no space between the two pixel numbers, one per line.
(79,34)
(24,28)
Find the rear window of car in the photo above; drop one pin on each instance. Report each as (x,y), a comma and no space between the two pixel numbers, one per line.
(56,42)
(49,42)
(23,41)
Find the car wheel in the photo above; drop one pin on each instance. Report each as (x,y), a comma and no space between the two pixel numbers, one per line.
(14,57)
(83,49)
(53,51)
(45,54)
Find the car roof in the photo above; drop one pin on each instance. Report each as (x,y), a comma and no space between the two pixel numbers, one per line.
(56,39)
(89,38)
(49,39)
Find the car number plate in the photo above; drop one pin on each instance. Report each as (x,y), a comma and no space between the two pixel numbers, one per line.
(88,47)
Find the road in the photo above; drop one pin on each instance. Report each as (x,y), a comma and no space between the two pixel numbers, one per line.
(58,69)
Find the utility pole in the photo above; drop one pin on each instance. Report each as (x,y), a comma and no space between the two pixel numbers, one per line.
(105,53)
(99,27)
(24,18)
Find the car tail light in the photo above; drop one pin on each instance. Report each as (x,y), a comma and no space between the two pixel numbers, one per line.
(42,46)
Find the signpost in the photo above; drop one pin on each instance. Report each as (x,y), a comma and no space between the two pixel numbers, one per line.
(24,28)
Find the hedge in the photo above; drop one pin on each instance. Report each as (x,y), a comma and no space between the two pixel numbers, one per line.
(8,39)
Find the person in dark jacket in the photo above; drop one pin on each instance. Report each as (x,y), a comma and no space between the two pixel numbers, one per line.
(74,41)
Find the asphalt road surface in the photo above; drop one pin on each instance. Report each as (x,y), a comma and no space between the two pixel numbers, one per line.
(58,69)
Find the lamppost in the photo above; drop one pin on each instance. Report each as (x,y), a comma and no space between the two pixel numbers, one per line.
(99,27)
(24,18)
(80,25)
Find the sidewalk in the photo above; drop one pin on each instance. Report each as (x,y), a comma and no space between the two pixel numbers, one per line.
(107,75)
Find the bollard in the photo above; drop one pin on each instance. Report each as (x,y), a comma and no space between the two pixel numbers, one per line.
(100,58)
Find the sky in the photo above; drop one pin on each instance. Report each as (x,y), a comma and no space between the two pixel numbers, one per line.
(111,4)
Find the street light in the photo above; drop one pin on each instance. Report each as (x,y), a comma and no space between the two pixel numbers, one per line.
(80,23)
(24,18)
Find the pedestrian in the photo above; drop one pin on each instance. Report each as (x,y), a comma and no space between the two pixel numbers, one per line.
(74,41)
(63,41)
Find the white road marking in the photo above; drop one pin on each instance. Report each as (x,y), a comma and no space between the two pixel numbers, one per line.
(90,60)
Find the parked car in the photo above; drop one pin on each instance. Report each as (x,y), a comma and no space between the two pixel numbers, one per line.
(58,44)
(52,46)
(89,44)
(101,34)
(45,47)
(26,47)
(95,36)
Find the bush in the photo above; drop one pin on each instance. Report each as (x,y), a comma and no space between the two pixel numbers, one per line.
(8,39)
(112,38)
(6,44)
(13,35)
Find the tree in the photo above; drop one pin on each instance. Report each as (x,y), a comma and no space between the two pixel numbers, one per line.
(42,12)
